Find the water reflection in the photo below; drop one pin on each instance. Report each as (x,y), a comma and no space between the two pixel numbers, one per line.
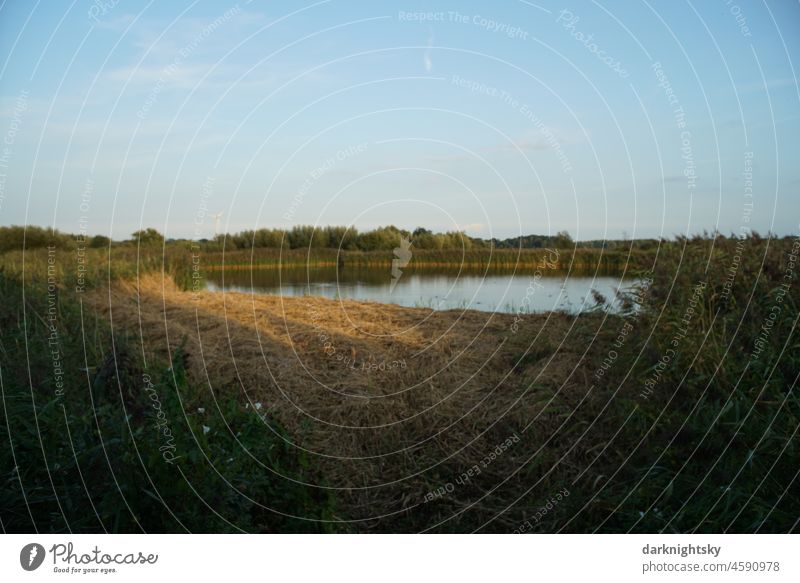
(439,289)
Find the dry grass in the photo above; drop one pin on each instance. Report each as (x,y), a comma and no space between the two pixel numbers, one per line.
(455,384)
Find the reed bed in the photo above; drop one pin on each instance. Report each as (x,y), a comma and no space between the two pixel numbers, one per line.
(506,259)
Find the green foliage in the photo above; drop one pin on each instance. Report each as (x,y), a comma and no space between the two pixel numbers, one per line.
(148,236)
(306,237)
(310,238)
(562,240)
(14,238)
(717,452)
(99,242)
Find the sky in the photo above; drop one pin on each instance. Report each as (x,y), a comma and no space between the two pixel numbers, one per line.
(605,119)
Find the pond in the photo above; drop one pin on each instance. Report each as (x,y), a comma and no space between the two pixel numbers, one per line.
(524,291)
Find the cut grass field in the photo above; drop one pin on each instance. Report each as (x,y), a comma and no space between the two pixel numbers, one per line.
(390,403)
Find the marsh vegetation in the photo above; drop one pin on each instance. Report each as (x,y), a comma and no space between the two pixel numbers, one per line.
(309,414)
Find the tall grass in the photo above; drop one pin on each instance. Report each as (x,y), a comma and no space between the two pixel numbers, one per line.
(180,258)
(711,444)
(96,439)
(582,259)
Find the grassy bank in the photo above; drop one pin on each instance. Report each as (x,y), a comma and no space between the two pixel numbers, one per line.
(708,373)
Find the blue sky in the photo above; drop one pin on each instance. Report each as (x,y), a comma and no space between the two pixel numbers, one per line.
(498,118)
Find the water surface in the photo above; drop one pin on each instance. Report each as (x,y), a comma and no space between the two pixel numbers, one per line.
(530,291)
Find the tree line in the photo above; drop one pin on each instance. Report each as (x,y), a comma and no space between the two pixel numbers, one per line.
(298,237)
(313,237)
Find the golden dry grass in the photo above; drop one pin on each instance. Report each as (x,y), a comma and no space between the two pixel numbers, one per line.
(453,383)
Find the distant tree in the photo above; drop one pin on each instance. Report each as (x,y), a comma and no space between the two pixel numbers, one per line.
(456,240)
(300,236)
(271,238)
(148,236)
(99,241)
(344,238)
(371,241)
(319,238)
(243,240)
(563,240)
